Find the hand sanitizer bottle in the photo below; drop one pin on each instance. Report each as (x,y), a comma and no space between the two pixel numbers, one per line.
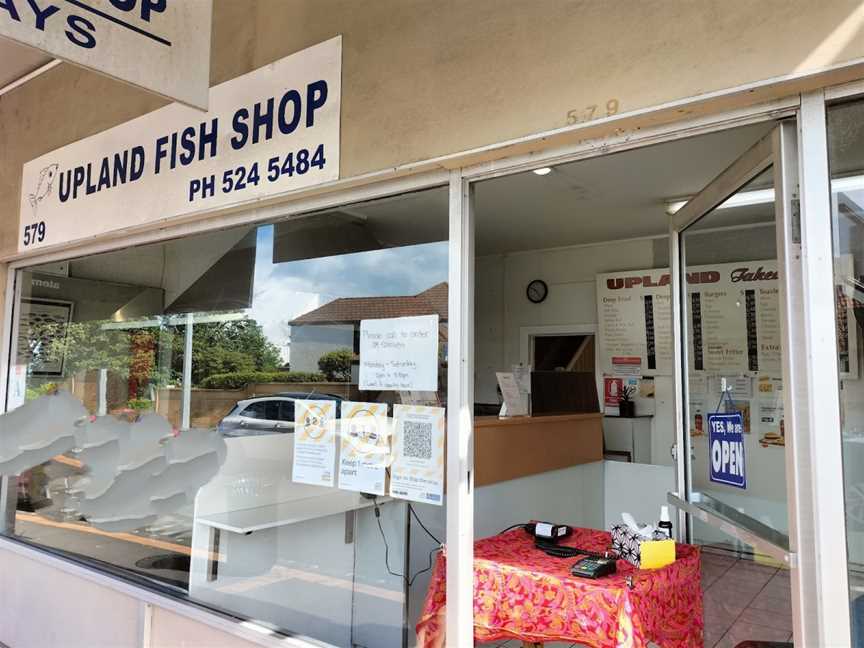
(665,522)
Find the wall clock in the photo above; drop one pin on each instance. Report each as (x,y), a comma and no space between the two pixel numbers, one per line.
(537,291)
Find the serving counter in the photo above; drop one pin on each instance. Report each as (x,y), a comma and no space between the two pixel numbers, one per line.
(514,447)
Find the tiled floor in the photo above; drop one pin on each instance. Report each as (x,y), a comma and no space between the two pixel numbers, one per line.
(744,600)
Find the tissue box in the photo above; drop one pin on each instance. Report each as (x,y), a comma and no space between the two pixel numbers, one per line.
(627,543)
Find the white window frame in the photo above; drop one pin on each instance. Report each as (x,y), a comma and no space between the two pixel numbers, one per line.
(820,620)
(459,533)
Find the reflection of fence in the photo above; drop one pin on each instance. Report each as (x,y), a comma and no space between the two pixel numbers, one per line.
(209,406)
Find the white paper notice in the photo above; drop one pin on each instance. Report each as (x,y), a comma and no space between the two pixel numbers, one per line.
(399,354)
(739,387)
(314,442)
(417,472)
(515,401)
(17,387)
(364,448)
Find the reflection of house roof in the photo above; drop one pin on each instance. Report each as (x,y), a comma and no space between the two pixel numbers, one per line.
(354,309)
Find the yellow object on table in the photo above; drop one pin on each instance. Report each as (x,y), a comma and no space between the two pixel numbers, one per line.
(656,553)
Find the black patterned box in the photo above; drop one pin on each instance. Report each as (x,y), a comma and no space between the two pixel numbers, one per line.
(627,543)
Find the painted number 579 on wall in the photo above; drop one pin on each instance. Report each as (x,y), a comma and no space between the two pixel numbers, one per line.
(34,233)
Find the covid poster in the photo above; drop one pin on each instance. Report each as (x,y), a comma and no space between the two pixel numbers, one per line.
(364,447)
(314,442)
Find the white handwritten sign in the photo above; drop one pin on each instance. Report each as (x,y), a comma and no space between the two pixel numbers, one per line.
(399,354)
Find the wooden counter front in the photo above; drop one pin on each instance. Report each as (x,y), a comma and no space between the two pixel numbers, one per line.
(526,445)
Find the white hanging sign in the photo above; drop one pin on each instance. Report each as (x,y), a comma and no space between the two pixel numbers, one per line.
(268,132)
(399,354)
(158,45)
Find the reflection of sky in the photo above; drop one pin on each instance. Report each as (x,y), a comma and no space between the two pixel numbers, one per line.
(284,291)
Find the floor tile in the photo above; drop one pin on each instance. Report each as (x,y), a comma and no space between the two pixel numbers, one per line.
(744,566)
(710,575)
(764,601)
(779,619)
(778,590)
(718,559)
(711,637)
(743,573)
(744,631)
(738,589)
(724,606)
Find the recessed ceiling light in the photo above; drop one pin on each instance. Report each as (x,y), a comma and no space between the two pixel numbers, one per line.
(543,171)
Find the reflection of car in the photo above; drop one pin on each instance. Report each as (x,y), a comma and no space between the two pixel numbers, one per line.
(267,414)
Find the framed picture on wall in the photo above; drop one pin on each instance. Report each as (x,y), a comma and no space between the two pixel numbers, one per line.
(43,321)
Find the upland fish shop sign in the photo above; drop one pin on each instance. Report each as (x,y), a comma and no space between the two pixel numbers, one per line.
(159,45)
(270,131)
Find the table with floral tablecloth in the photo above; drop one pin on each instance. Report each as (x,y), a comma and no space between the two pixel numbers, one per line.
(522,593)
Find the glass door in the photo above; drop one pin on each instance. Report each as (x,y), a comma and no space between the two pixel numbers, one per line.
(731,449)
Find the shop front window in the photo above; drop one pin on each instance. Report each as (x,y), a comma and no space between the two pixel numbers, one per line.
(846,159)
(251,418)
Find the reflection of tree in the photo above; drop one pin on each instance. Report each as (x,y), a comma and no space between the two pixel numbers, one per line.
(224,347)
(336,365)
(87,346)
(134,354)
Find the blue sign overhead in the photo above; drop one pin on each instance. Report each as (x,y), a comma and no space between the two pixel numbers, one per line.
(726,449)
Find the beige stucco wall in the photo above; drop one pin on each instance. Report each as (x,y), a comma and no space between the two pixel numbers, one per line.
(423,78)
(48,607)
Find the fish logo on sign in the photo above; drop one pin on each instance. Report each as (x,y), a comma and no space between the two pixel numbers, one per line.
(44,186)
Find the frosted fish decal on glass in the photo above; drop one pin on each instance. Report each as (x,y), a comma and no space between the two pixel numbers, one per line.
(39,430)
(136,470)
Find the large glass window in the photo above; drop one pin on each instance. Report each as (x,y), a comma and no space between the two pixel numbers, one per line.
(846,157)
(574,399)
(253,418)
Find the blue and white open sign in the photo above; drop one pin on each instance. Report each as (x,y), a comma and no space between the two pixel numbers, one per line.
(726,447)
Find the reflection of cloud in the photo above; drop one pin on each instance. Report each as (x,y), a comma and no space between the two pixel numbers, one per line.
(277,304)
(284,291)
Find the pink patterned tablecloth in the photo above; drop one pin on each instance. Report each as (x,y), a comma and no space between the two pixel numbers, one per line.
(522,593)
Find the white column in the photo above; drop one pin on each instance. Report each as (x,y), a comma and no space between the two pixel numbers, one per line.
(814,463)
(187,372)
(460,418)
(103,392)
(679,382)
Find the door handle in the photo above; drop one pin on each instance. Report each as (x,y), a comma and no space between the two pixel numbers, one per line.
(242,423)
(673,451)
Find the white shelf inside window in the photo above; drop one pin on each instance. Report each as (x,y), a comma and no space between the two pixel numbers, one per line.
(245,521)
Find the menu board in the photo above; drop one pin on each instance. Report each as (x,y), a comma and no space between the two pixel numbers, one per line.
(733,317)
(635,321)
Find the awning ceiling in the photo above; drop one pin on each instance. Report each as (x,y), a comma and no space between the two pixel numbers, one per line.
(17,61)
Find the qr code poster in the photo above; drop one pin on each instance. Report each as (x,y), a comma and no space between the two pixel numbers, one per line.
(417,472)
(364,447)
(314,442)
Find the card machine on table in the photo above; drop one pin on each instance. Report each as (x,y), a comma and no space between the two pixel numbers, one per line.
(593,567)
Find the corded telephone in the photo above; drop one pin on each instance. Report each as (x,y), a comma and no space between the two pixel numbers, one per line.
(546,536)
